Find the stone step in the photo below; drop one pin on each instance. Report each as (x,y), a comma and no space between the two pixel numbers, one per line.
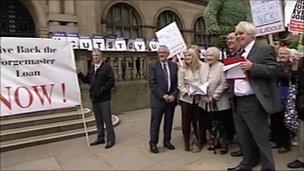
(32,120)
(43,139)
(39,113)
(36,130)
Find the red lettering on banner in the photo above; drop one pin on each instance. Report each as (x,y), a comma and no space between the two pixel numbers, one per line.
(17,97)
(24,96)
(5,101)
(44,93)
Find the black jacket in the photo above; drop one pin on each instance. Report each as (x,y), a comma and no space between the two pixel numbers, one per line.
(101,82)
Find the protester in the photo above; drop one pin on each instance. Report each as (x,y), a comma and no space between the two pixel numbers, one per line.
(299,163)
(256,97)
(163,85)
(191,73)
(232,51)
(216,101)
(280,135)
(100,77)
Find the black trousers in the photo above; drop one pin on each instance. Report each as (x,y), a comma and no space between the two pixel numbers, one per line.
(102,113)
(156,118)
(193,115)
(280,135)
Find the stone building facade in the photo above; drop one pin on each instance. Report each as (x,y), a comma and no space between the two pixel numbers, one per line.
(123,18)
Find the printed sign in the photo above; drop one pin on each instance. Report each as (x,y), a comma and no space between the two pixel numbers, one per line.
(37,74)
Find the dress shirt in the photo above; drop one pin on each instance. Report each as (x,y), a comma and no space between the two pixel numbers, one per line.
(168,73)
(242,86)
(96,66)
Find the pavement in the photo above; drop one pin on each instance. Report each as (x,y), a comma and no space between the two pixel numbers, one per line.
(131,152)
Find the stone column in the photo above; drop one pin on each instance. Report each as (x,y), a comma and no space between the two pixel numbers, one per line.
(54,8)
(69,9)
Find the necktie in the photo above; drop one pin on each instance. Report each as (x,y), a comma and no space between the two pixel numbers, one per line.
(165,74)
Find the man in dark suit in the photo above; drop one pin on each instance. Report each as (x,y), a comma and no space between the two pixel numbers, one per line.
(101,80)
(163,85)
(256,97)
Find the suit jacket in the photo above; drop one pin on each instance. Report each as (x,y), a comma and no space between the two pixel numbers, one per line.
(158,85)
(217,86)
(262,77)
(101,82)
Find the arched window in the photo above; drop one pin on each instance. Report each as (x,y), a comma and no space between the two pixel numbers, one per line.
(123,21)
(199,32)
(15,20)
(167,17)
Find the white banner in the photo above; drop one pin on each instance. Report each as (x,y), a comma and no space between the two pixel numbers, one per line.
(297,18)
(267,16)
(37,74)
(172,38)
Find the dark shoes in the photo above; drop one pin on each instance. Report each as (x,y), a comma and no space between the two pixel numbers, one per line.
(96,142)
(109,144)
(169,146)
(153,148)
(236,153)
(295,164)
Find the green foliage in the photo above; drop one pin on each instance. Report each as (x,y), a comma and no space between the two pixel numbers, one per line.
(222,16)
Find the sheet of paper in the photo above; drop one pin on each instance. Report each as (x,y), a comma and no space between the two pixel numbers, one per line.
(235,72)
(198,89)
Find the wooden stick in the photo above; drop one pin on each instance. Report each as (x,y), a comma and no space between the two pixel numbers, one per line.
(270,39)
(301,39)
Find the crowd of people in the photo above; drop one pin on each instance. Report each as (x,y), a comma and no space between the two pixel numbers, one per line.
(241,110)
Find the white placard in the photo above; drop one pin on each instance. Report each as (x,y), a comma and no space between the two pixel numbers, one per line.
(74,42)
(297,18)
(85,43)
(140,45)
(37,74)
(120,45)
(130,46)
(110,44)
(267,16)
(99,44)
(172,38)
(153,45)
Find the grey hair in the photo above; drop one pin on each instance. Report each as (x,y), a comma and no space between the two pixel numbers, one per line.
(247,27)
(97,50)
(214,49)
(165,47)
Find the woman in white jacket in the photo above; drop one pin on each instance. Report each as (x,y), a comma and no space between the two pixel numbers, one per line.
(216,102)
(190,72)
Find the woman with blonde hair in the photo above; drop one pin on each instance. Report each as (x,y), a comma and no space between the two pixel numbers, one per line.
(191,73)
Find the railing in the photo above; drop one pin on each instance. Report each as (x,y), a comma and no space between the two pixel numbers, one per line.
(127,66)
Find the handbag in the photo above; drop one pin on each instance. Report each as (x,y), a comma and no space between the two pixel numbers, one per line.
(194,143)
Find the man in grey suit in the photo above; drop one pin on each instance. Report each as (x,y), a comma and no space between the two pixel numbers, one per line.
(256,97)
(163,85)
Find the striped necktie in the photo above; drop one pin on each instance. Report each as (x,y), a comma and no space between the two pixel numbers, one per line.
(165,73)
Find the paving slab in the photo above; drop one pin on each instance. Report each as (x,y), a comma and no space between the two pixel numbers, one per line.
(42,164)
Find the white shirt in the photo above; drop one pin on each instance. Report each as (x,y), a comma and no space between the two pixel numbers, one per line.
(168,73)
(96,66)
(242,86)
